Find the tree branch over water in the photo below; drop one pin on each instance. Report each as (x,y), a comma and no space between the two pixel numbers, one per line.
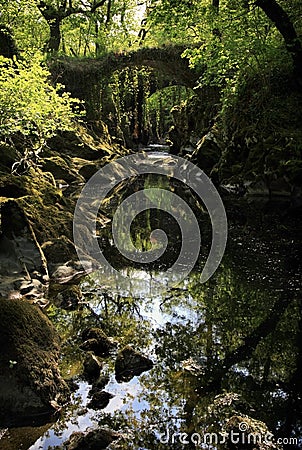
(286,28)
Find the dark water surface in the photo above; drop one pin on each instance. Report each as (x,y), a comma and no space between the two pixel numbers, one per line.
(229,347)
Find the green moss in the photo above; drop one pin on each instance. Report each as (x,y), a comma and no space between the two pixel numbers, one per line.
(26,322)
(29,352)
(262,131)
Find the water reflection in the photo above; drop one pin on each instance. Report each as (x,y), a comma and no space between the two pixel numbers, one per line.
(231,347)
(228,348)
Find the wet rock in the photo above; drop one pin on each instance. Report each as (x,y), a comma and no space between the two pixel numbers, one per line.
(32,289)
(60,169)
(100,399)
(129,363)
(87,170)
(69,272)
(69,298)
(92,366)
(59,250)
(96,340)
(22,262)
(78,146)
(29,376)
(93,440)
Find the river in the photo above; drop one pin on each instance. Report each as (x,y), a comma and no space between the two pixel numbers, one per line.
(230,347)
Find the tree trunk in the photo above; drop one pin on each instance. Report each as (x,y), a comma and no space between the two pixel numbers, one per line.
(284,25)
(215,4)
(8,47)
(53,44)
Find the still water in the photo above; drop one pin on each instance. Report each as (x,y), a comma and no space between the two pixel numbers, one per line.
(228,348)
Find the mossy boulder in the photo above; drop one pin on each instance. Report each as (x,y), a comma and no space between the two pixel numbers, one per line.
(130,362)
(93,440)
(80,144)
(37,210)
(61,169)
(97,341)
(30,380)
(92,367)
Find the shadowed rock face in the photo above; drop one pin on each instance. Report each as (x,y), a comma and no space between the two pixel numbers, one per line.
(22,265)
(100,399)
(94,440)
(29,374)
(96,340)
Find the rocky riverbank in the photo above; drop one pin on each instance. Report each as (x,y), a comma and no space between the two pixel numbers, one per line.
(37,199)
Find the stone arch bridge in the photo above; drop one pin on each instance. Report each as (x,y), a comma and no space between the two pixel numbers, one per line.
(85,77)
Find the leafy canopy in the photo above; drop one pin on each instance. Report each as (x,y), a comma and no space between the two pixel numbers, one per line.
(29,104)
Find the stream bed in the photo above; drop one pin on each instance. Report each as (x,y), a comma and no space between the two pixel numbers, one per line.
(231,347)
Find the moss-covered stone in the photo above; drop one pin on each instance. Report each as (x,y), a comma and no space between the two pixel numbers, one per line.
(262,137)
(61,169)
(96,340)
(29,374)
(130,362)
(97,439)
(80,144)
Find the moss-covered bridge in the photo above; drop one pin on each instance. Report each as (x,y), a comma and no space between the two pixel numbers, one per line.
(85,77)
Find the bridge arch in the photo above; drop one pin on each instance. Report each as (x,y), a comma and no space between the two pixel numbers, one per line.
(85,78)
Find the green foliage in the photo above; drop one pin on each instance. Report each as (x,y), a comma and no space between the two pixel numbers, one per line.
(111,26)
(30,105)
(23,17)
(93,35)
(237,41)
(160,104)
(226,44)
(172,21)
